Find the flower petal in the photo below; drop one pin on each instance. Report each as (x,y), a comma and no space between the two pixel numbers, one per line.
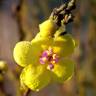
(23,53)
(47,28)
(35,77)
(38,46)
(42,42)
(63,70)
(64,45)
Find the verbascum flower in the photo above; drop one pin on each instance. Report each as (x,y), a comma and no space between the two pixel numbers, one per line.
(45,59)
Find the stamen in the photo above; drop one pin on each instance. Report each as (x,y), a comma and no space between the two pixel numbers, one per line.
(44,59)
(53,62)
(56,60)
(54,56)
(50,66)
(41,61)
(49,57)
(50,50)
(45,54)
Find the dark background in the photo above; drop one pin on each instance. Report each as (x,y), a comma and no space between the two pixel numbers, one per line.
(19,20)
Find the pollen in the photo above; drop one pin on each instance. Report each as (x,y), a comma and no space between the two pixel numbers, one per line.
(44,59)
(53,62)
(54,56)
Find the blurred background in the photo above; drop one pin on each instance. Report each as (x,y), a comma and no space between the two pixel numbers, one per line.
(19,20)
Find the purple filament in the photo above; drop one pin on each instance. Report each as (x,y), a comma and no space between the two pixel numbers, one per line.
(41,61)
(51,66)
(45,54)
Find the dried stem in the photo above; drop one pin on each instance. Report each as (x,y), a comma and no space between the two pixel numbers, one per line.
(63,13)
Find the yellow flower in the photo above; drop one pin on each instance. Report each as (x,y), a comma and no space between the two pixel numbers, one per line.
(44,59)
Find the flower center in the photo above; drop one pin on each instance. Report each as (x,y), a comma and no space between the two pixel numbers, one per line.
(48,56)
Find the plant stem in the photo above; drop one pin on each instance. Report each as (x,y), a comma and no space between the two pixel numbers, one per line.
(27,92)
